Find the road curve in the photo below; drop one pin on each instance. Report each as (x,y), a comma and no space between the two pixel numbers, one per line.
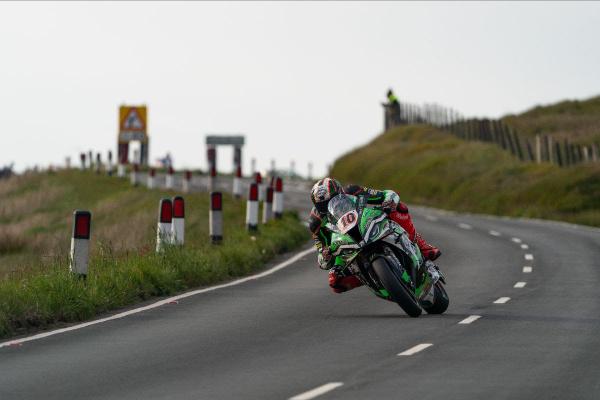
(287,336)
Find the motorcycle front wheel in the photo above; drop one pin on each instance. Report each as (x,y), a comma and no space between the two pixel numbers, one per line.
(399,293)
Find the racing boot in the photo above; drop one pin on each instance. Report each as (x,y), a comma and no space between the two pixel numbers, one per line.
(403,218)
(340,283)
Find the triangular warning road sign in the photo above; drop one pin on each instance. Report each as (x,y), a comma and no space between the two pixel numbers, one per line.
(133,121)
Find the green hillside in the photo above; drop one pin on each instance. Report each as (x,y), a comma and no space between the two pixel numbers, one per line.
(430,167)
(578,120)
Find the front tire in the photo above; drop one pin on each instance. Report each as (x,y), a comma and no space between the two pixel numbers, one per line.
(399,293)
(440,300)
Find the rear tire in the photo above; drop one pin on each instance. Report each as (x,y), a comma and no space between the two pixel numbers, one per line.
(399,293)
(441,300)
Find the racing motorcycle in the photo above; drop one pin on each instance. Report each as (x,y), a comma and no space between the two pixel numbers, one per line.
(367,243)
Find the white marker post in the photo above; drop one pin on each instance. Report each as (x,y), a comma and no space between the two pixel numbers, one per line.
(261,189)
(151,178)
(163,230)
(268,206)
(169,179)
(82,159)
(134,175)
(80,242)
(278,198)
(215,217)
(187,181)
(121,170)
(252,208)
(109,165)
(237,183)
(178,224)
(98,163)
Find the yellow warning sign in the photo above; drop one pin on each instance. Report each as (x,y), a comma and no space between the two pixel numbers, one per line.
(133,123)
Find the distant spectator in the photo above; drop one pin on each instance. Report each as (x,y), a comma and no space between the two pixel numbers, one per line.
(394,105)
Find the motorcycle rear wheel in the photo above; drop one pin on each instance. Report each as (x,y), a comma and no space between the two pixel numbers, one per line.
(399,293)
(441,300)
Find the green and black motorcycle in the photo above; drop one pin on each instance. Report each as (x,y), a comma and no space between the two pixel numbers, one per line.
(368,244)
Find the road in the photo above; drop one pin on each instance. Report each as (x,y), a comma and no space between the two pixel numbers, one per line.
(285,334)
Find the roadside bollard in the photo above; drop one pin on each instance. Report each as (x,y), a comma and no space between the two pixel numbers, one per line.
(178,224)
(109,165)
(186,181)
(80,242)
(151,178)
(98,163)
(215,217)
(261,188)
(163,229)
(134,175)
(278,198)
(169,179)
(121,170)
(82,159)
(268,206)
(212,176)
(252,208)
(237,183)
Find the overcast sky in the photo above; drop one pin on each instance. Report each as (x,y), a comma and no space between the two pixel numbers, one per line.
(302,81)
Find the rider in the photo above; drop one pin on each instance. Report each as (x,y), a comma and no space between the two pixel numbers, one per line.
(323,191)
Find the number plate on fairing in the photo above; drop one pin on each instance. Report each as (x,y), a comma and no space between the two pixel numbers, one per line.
(348,221)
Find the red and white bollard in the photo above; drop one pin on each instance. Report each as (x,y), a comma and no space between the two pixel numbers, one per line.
(151,178)
(215,217)
(134,175)
(187,181)
(163,229)
(261,188)
(252,208)
(169,179)
(178,223)
(278,198)
(80,242)
(268,206)
(237,182)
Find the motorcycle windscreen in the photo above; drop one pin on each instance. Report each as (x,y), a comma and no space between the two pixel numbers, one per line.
(342,208)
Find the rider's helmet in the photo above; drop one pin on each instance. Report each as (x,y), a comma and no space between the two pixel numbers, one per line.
(323,191)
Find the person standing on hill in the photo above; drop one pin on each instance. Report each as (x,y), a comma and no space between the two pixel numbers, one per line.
(394,105)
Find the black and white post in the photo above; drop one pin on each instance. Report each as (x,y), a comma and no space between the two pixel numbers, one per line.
(134,175)
(278,198)
(187,181)
(109,164)
(80,242)
(237,183)
(178,223)
(163,229)
(215,217)
(268,206)
(252,208)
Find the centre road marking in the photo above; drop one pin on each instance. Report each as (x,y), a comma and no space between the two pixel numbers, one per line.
(524,246)
(311,394)
(527,270)
(520,285)
(502,300)
(469,319)
(160,303)
(516,240)
(495,233)
(464,226)
(529,257)
(416,349)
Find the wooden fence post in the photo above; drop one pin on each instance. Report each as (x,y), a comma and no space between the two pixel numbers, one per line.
(518,145)
(558,155)
(530,151)
(538,149)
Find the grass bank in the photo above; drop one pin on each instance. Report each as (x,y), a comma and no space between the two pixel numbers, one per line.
(430,167)
(36,290)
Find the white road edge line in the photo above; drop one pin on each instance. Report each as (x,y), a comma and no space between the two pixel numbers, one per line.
(520,285)
(527,270)
(464,226)
(502,300)
(524,246)
(160,303)
(415,349)
(516,240)
(311,394)
(469,319)
(431,218)
(495,233)
(529,257)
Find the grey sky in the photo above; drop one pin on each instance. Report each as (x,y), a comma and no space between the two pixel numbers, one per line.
(303,81)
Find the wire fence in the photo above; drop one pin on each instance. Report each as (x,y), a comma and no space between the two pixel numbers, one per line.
(540,148)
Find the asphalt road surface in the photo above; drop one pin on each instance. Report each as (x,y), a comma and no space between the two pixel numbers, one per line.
(523,323)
